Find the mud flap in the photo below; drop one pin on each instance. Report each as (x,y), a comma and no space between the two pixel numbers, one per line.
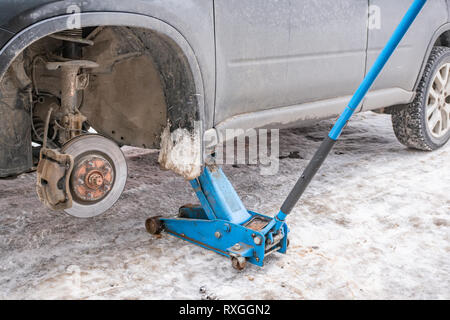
(53,176)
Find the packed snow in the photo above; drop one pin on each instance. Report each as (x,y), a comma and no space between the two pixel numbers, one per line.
(374,224)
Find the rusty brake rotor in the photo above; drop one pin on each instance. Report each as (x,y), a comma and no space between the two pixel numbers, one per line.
(98,177)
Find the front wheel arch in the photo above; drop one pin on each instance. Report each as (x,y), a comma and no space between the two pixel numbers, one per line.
(187,110)
(184,87)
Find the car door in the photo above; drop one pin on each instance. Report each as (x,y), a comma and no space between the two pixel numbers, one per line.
(276,53)
(403,68)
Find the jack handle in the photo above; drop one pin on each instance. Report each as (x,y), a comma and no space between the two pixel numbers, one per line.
(328,143)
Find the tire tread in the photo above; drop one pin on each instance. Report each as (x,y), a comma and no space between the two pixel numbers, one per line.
(408,122)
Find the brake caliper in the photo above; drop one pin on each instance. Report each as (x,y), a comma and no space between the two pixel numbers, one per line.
(53,177)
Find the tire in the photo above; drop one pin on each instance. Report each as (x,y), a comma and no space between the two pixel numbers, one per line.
(415,124)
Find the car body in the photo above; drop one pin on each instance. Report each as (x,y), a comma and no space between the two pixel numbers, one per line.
(224,63)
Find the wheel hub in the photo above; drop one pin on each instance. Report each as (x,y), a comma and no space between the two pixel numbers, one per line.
(92,178)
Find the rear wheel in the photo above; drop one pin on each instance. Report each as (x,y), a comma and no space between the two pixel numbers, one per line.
(424,124)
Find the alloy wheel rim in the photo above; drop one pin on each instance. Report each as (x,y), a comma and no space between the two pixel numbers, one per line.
(438,103)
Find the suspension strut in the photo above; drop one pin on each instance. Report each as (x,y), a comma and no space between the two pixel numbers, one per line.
(72,81)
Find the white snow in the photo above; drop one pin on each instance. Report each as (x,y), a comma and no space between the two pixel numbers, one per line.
(181,152)
(374,224)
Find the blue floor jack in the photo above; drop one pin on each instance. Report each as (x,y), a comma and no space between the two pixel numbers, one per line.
(222,223)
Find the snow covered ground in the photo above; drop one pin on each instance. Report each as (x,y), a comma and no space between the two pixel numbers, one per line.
(374,224)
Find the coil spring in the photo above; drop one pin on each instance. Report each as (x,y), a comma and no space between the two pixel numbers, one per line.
(39,128)
(73,33)
(39,131)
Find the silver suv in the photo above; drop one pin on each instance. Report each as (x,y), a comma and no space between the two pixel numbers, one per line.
(176,74)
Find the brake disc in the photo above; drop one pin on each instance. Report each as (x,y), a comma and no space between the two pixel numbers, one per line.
(98,176)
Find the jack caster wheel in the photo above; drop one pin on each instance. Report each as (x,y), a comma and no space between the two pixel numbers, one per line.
(238,263)
(153,225)
(98,177)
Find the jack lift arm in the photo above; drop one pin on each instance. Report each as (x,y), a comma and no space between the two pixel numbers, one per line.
(223,224)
